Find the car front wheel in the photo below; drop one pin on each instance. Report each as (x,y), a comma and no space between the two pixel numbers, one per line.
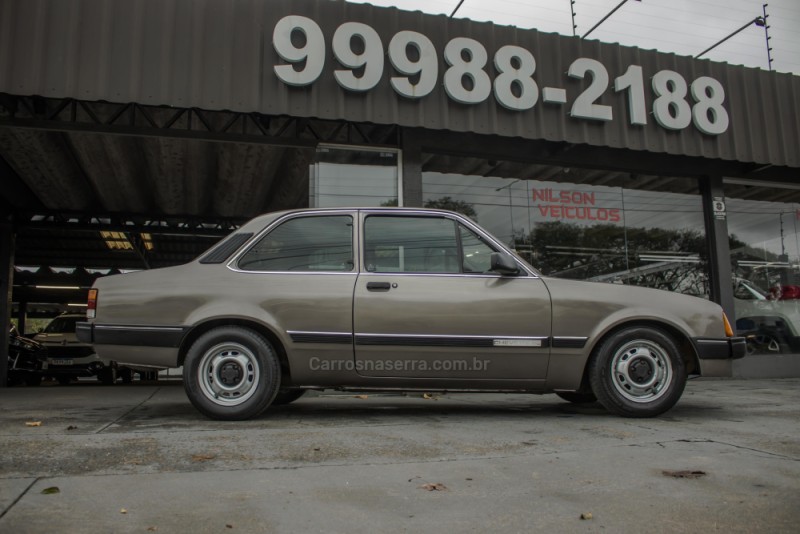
(231,373)
(638,372)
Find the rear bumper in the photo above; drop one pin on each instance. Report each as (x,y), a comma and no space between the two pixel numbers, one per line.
(130,335)
(134,345)
(731,348)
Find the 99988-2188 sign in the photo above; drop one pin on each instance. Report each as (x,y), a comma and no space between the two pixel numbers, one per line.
(415,62)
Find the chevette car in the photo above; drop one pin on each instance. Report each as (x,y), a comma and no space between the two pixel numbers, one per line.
(398,299)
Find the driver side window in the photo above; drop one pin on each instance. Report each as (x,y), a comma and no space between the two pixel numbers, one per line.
(305,244)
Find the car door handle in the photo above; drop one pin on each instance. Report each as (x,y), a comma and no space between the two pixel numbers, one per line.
(378,286)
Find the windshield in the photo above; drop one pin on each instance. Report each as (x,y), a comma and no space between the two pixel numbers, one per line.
(746,290)
(62,325)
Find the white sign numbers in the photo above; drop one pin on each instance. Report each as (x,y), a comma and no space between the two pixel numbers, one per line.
(371,59)
(516,67)
(358,55)
(584,106)
(467,60)
(426,66)
(312,52)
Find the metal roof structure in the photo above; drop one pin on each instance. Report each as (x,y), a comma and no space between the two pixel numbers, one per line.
(221,55)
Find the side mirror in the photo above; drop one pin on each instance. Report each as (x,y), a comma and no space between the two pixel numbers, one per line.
(504,264)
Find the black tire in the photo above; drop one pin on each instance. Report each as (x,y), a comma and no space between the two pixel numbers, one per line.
(107,375)
(64,380)
(231,373)
(638,372)
(577,397)
(33,380)
(287,396)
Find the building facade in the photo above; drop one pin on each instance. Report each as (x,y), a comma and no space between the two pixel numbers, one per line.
(594,160)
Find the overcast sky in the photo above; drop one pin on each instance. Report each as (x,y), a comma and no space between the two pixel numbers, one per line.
(685,27)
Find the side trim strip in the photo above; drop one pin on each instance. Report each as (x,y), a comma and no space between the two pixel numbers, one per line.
(344,338)
(451,341)
(336,338)
(568,342)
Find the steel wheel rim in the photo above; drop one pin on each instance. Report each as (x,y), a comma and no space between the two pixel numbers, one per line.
(641,371)
(228,374)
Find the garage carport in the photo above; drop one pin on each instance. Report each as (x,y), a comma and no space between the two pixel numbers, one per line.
(135,134)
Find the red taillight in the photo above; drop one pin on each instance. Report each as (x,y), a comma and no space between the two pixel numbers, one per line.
(91,309)
(784,293)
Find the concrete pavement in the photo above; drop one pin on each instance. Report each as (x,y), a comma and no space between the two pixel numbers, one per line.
(139,458)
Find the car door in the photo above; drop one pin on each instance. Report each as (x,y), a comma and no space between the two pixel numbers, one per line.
(427,306)
(301,275)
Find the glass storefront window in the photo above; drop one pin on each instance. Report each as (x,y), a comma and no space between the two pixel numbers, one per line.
(765,263)
(354,177)
(587,232)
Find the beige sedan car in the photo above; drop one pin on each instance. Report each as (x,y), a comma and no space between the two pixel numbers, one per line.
(399,299)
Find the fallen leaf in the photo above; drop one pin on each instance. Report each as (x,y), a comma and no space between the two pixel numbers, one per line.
(152,529)
(228,526)
(33,423)
(686,473)
(72,427)
(202,457)
(434,486)
(52,490)
(123,511)
(430,396)
(362,396)
(586,516)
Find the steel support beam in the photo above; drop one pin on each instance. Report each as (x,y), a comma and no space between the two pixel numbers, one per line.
(719,252)
(71,115)
(6,285)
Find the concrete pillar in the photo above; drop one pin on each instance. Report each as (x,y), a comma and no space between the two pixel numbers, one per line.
(6,285)
(719,252)
(412,169)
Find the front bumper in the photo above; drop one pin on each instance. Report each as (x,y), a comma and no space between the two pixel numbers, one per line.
(730,348)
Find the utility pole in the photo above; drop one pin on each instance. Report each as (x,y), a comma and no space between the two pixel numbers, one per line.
(766,35)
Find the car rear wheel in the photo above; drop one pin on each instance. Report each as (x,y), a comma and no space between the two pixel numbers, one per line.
(231,373)
(638,372)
